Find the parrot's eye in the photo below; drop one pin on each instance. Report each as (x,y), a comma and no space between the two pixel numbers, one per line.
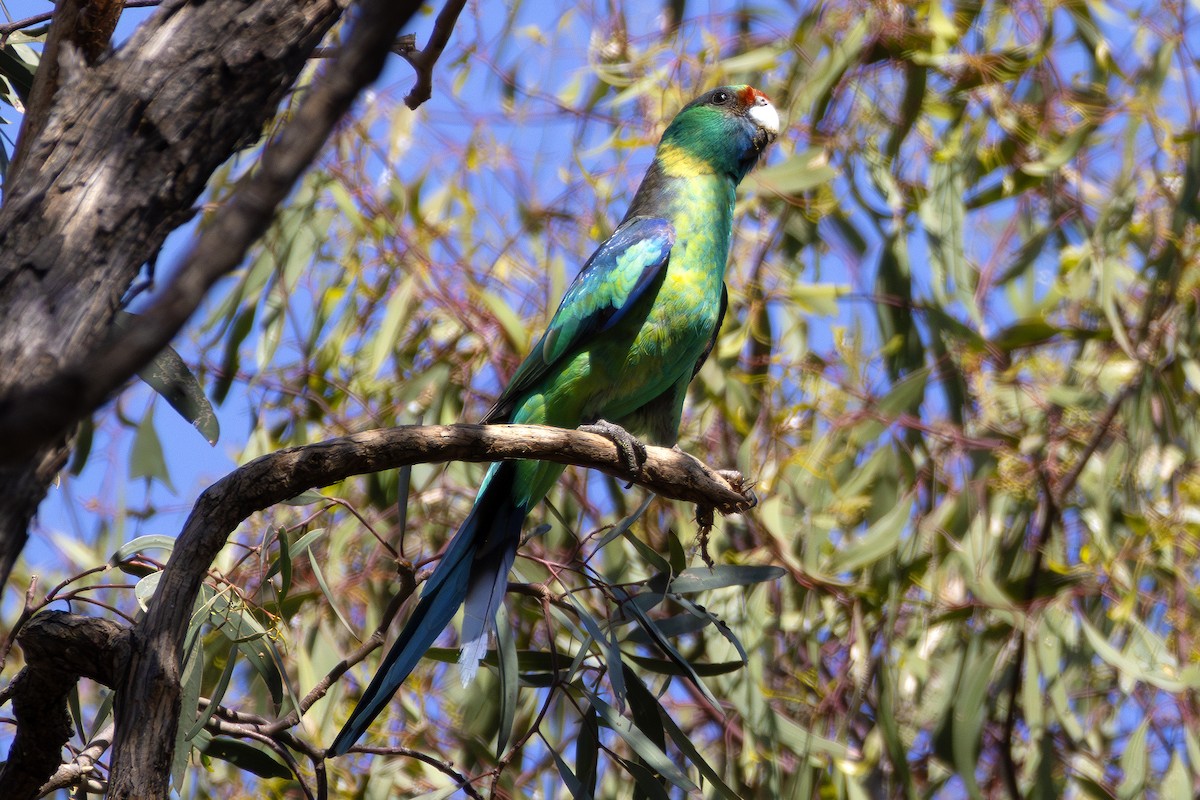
(720,98)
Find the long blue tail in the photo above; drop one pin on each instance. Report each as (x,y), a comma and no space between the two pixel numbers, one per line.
(474,569)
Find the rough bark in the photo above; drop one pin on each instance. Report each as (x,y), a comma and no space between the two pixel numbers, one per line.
(59,648)
(126,148)
(142,748)
(83,25)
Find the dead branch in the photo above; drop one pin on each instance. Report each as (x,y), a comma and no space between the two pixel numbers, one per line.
(423,61)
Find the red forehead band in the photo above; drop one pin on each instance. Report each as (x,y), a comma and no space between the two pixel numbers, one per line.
(749,95)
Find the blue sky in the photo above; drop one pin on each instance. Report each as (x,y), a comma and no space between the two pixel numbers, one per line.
(543,59)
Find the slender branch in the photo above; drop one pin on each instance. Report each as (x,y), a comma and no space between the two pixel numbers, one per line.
(423,61)
(26,612)
(83,765)
(220,726)
(408,584)
(9,28)
(1100,433)
(464,783)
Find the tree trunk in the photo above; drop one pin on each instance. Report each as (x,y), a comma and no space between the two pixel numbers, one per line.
(126,148)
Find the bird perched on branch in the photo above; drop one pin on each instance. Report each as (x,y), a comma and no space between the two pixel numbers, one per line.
(631,332)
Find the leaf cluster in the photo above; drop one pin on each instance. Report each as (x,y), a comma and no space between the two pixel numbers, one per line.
(961,363)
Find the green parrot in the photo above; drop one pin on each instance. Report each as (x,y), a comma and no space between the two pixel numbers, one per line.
(632,330)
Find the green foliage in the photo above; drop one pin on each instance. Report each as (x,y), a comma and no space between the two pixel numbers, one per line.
(961,364)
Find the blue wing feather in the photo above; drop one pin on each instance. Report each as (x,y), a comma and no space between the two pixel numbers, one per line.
(610,283)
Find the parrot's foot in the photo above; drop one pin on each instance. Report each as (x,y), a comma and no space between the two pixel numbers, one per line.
(632,452)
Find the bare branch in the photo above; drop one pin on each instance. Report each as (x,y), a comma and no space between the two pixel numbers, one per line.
(155,676)
(423,61)
(9,28)
(82,766)
(59,649)
(464,783)
(408,584)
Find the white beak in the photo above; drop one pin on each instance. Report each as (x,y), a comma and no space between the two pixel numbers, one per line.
(765,116)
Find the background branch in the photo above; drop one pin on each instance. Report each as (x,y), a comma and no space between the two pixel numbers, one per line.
(423,61)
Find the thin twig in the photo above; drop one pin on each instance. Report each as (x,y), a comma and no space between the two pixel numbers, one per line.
(408,585)
(220,726)
(423,61)
(83,765)
(7,29)
(464,783)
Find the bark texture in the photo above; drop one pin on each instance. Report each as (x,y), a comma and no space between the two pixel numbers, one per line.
(123,151)
(59,648)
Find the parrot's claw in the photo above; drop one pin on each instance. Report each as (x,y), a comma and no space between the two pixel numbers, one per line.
(740,485)
(632,451)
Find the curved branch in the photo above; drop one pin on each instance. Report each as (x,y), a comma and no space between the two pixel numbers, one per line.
(59,648)
(422,61)
(286,473)
(144,662)
(148,727)
(7,29)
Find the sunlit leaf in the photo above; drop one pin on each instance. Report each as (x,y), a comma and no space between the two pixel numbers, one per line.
(170,376)
(801,173)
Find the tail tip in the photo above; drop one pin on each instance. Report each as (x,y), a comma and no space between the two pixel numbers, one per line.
(341,744)
(468,659)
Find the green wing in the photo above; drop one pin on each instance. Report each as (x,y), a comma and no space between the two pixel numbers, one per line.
(610,283)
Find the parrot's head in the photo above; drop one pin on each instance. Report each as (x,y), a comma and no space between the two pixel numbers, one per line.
(724,131)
